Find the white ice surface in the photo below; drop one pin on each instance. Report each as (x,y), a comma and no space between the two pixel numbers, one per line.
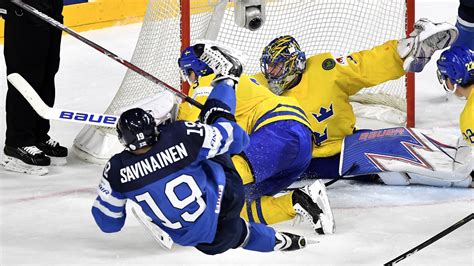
(46,220)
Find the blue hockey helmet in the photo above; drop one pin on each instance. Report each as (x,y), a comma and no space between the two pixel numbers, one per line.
(189,60)
(281,62)
(457,64)
(136,129)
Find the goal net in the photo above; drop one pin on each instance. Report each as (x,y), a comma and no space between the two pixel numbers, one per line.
(336,26)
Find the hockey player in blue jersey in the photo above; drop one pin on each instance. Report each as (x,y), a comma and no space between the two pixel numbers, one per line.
(181,175)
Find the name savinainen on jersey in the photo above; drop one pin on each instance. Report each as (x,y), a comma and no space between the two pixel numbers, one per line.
(153,163)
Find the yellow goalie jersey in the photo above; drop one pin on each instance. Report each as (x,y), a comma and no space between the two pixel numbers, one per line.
(256,106)
(327,83)
(467,120)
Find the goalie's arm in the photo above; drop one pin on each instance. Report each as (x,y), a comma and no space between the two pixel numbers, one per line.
(368,68)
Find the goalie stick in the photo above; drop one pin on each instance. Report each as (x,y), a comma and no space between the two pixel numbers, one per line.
(431,240)
(51,113)
(108,53)
(158,234)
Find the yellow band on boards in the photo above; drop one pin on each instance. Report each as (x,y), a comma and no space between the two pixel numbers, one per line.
(97,14)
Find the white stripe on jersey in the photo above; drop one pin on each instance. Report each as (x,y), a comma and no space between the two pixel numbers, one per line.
(212,140)
(106,211)
(230,133)
(113,200)
(105,192)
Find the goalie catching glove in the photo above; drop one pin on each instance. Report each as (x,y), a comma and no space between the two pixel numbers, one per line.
(423,42)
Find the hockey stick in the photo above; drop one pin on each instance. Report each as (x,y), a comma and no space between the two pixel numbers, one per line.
(50,113)
(158,234)
(431,240)
(307,181)
(101,49)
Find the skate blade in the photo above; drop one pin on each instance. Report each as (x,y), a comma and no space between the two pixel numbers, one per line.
(16,165)
(58,161)
(319,196)
(311,241)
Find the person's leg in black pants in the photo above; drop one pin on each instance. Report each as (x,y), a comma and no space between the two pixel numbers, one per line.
(48,90)
(26,52)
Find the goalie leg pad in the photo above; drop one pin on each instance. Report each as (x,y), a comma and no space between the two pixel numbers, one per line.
(403,179)
(429,180)
(405,156)
(394,178)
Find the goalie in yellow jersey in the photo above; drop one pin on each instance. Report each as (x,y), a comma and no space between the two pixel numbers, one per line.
(323,83)
(280,140)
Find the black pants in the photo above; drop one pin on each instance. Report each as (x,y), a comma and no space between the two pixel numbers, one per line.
(231,229)
(31,49)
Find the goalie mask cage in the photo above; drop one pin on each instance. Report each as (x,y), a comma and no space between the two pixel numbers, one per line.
(336,26)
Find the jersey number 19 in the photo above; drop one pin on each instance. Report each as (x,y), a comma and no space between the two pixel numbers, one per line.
(195,196)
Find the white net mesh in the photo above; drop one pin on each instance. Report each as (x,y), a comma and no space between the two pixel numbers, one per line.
(337,26)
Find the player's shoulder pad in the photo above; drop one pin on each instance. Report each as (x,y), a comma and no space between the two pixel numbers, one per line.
(258,78)
(111,170)
(112,165)
(190,133)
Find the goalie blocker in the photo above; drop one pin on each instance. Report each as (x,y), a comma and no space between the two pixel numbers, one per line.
(403,156)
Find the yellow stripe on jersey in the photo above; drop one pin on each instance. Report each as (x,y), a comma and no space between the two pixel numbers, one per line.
(256,106)
(282,112)
(466,120)
(326,85)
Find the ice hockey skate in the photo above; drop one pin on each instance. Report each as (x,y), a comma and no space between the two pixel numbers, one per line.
(289,242)
(312,203)
(29,160)
(56,152)
(424,41)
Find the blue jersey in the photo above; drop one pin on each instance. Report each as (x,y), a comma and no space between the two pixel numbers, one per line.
(175,183)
